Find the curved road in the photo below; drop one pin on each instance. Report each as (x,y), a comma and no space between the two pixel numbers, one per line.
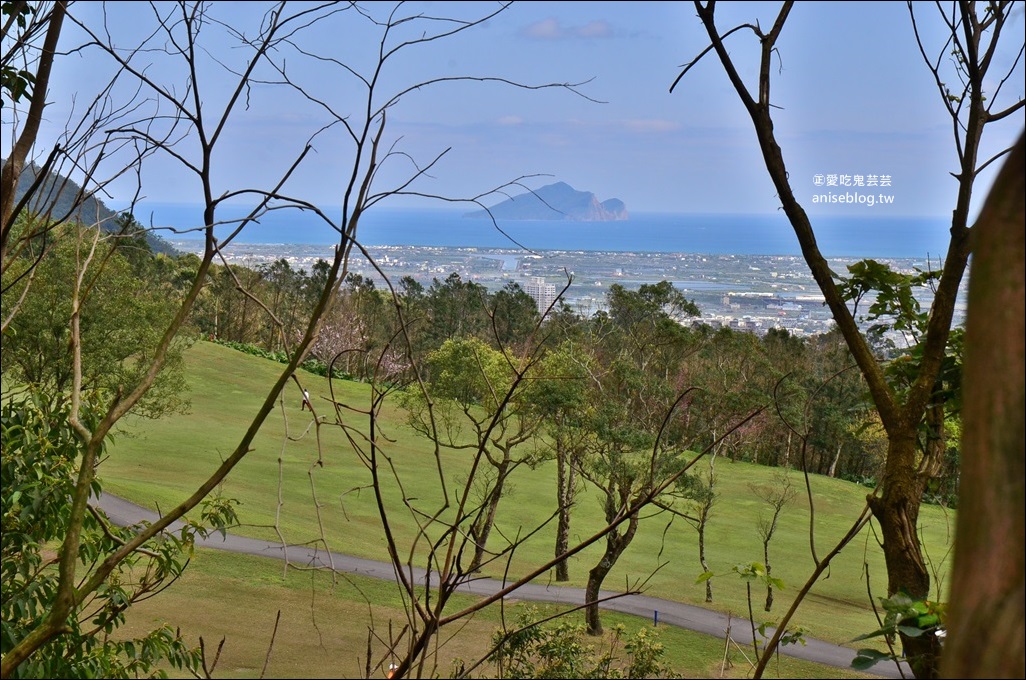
(690,617)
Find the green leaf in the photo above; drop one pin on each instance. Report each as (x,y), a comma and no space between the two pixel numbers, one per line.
(928,621)
(862,663)
(867,658)
(875,633)
(705,576)
(911,631)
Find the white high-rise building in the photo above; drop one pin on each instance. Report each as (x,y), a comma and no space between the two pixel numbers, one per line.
(543,293)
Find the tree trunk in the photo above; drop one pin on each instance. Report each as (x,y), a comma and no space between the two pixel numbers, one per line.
(19,151)
(591,593)
(986,632)
(766,561)
(616,543)
(833,466)
(936,443)
(701,552)
(242,335)
(703,520)
(564,493)
(897,511)
(482,526)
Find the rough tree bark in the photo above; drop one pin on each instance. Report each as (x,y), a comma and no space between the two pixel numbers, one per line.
(987,616)
(482,526)
(27,137)
(616,543)
(566,481)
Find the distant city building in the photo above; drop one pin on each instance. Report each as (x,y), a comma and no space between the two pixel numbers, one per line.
(544,294)
(734,291)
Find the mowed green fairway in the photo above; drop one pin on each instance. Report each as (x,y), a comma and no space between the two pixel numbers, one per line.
(308,483)
(322,630)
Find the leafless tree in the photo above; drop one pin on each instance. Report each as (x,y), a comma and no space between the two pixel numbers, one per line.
(777,497)
(180,113)
(183,120)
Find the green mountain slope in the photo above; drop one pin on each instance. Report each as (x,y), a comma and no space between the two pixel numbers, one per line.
(58,196)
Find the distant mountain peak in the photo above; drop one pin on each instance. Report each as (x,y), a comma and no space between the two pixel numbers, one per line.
(557,201)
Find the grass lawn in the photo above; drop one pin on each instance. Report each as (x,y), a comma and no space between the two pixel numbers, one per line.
(323,629)
(307,482)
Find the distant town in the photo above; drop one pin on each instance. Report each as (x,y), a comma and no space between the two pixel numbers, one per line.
(751,293)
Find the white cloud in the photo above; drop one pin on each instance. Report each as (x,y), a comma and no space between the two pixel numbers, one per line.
(546,29)
(552,29)
(594,29)
(510,120)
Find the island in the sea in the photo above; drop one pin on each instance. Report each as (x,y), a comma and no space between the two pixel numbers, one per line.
(558,201)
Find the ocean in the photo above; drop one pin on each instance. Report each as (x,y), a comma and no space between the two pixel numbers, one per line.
(716,234)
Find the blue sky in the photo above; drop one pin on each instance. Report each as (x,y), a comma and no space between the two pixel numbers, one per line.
(855,98)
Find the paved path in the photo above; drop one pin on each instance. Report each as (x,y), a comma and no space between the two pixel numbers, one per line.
(686,616)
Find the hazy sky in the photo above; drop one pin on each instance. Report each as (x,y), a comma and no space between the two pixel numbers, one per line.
(856,100)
